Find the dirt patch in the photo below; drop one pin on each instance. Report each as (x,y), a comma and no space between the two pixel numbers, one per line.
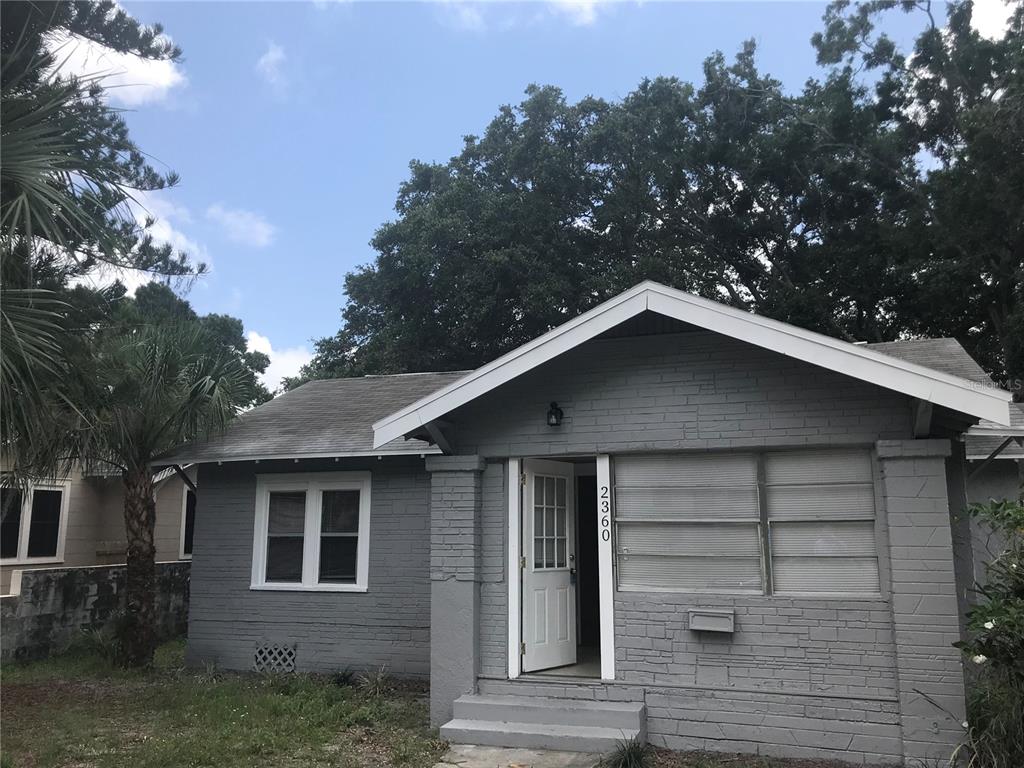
(666,758)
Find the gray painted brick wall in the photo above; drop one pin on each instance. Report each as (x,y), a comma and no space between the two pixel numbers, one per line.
(387,625)
(803,677)
(924,602)
(689,391)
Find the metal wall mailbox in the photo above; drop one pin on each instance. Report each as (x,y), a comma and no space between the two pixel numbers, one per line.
(712,620)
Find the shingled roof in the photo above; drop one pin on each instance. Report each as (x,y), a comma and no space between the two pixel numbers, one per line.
(334,417)
(948,356)
(325,418)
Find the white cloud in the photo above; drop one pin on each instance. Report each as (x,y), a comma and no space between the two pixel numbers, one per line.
(476,16)
(271,66)
(170,218)
(991,18)
(463,15)
(129,80)
(283,362)
(581,13)
(241,226)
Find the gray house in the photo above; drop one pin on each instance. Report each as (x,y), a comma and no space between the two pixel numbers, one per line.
(666,517)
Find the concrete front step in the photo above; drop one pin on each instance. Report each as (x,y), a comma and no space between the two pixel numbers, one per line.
(566,738)
(528,709)
(541,723)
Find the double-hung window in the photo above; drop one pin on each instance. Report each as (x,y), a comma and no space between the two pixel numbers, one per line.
(32,523)
(312,532)
(786,523)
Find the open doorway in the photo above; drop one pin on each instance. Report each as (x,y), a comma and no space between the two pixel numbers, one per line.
(561,609)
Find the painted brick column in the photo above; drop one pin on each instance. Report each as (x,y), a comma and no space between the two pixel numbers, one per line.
(924,598)
(455,504)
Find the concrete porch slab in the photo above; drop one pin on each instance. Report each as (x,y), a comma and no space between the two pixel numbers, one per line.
(472,756)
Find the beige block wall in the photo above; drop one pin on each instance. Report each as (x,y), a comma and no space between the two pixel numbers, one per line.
(95,525)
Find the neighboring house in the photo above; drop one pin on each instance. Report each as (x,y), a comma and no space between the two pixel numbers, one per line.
(79,521)
(996,456)
(666,517)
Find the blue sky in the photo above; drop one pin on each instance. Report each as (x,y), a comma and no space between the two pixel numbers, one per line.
(292,124)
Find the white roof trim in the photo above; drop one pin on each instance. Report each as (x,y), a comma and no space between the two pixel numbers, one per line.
(428,450)
(850,359)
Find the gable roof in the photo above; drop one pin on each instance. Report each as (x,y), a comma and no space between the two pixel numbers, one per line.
(327,418)
(857,360)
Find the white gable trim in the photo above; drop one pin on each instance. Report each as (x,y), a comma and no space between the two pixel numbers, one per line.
(850,359)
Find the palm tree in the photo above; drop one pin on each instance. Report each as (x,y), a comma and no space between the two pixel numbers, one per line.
(68,184)
(150,389)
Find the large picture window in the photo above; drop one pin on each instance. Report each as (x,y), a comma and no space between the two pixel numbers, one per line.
(32,523)
(787,523)
(312,532)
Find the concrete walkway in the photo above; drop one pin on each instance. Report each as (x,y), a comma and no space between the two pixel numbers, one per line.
(468,756)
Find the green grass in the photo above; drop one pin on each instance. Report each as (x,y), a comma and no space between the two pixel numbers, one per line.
(76,710)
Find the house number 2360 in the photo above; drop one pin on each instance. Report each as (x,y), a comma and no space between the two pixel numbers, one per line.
(605,510)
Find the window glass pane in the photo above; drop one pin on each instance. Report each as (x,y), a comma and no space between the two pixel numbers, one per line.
(549,490)
(825,575)
(340,512)
(287,514)
(190,520)
(549,521)
(560,491)
(284,559)
(44,525)
(285,525)
(560,552)
(821,506)
(10,527)
(538,491)
(560,522)
(691,574)
(549,553)
(538,521)
(338,559)
(538,552)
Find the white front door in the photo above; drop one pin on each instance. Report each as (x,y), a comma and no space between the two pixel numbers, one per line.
(549,573)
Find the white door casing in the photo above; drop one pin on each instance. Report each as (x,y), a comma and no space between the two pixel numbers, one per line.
(549,549)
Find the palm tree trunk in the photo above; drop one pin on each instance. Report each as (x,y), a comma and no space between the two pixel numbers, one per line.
(139,640)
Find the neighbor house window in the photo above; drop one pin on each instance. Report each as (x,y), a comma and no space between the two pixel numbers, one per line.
(188,521)
(32,525)
(312,532)
(788,523)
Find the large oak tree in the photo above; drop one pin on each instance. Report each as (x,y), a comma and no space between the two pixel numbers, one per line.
(881,200)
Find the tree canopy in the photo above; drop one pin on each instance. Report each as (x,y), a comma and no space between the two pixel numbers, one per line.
(882,200)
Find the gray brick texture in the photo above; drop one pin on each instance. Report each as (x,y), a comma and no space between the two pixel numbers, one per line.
(387,625)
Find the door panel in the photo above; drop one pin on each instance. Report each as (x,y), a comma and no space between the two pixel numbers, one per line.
(549,548)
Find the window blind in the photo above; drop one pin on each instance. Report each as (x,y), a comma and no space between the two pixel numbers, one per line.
(693,523)
(688,523)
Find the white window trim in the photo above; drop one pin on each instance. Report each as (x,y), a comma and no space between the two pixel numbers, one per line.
(313,485)
(26,523)
(182,554)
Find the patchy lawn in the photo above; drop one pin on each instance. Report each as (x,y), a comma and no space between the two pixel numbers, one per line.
(75,710)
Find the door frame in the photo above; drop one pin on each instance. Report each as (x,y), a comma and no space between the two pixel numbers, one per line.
(606,607)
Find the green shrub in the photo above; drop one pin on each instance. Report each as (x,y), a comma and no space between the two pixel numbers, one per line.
(995,647)
(631,753)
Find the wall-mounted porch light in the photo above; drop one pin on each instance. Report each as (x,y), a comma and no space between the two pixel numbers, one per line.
(554,415)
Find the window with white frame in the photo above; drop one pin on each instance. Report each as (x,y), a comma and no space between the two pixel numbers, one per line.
(32,521)
(312,532)
(787,523)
